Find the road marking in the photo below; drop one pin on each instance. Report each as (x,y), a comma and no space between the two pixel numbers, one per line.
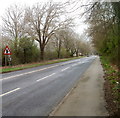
(86,61)
(28,73)
(9,92)
(74,65)
(37,70)
(45,77)
(65,69)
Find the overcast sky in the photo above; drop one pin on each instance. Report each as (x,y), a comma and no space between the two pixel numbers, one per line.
(4,4)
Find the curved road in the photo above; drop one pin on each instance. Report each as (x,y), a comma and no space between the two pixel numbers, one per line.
(36,91)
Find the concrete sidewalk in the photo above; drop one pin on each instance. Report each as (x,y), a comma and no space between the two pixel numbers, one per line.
(87,98)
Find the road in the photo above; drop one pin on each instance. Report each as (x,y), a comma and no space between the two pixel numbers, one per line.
(37,91)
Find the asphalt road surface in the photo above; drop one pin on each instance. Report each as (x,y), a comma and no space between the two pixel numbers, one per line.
(37,91)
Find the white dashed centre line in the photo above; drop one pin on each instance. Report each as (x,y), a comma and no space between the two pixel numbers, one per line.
(45,77)
(28,73)
(18,75)
(65,69)
(10,92)
(74,65)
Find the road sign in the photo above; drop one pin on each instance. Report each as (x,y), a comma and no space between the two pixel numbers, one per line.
(7,51)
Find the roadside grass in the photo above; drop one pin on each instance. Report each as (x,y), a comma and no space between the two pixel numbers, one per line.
(25,66)
(111,86)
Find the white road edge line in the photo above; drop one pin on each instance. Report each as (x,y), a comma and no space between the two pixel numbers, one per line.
(45,77)
(65,69)
(28,73)
(34,71)
(10,92)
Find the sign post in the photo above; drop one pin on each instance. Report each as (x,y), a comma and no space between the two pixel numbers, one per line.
(7,52)
(5,60)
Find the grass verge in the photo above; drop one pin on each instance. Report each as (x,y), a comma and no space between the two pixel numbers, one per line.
(25,66)
(111,87)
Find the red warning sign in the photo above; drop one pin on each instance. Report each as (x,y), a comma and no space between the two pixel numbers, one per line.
(7,51)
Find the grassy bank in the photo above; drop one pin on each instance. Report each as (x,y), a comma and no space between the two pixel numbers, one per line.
(25,66)
(111,87)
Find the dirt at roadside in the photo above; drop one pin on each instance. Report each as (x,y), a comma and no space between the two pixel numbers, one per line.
(111,105)
(112,96)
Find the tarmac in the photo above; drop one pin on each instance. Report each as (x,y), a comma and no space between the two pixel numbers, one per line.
(87,98)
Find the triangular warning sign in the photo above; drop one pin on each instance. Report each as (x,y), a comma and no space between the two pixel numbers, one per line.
(7,51)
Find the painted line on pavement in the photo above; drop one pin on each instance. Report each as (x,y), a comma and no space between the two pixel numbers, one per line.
(37,70)
(65,69)
(45,77)
(74,64)
(10,92)
(28,73)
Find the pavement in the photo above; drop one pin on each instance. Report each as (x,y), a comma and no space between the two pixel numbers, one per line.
(37,91)
(87,98)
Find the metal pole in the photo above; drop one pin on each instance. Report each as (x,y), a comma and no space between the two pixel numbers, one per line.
(5,61)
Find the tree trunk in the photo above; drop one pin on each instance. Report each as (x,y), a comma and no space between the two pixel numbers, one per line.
(42,54)
(59,49)
(41,51)
(24,61)
(77,53)
(58,54)
(16,47)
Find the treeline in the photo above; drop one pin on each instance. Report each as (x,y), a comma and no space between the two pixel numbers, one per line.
(104,20)
(104,29)
(40,32)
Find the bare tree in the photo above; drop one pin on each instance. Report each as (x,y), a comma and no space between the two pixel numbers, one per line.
(58,42)
(69,41)
(45,20)
(13,23)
